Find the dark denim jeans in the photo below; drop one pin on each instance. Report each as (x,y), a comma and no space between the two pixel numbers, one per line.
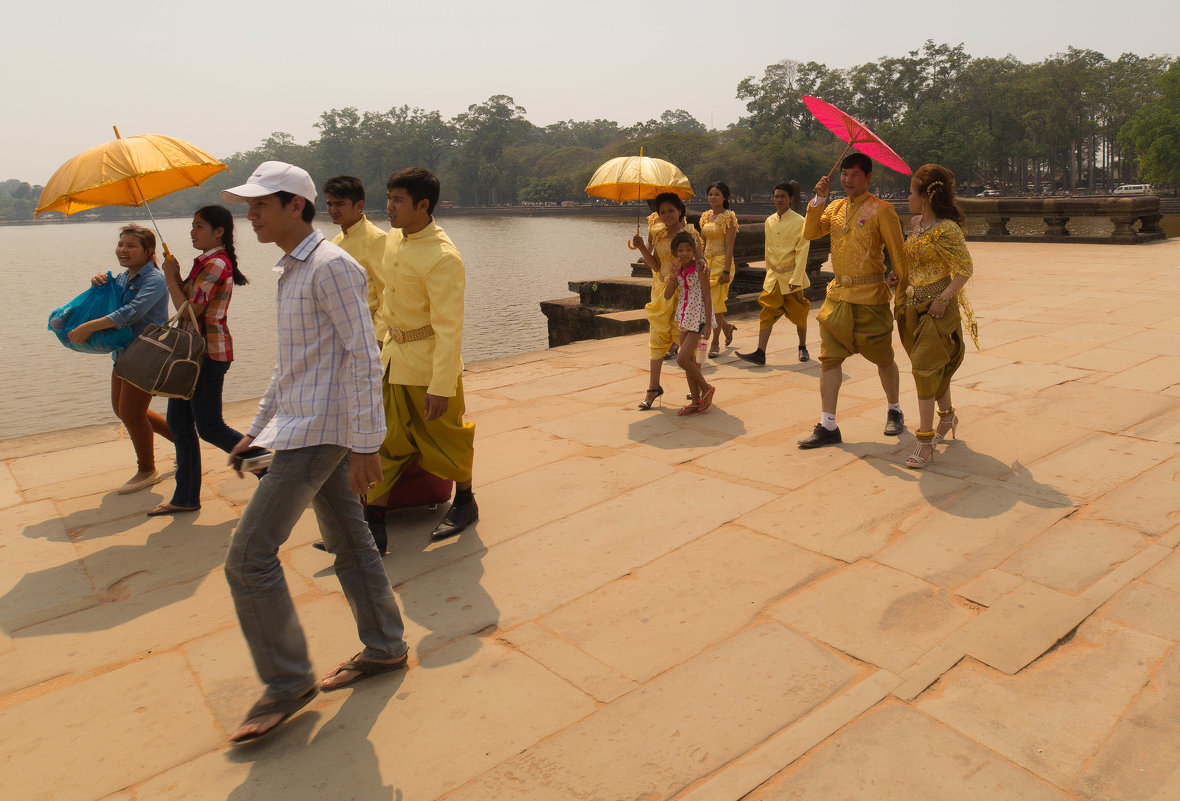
(193,420)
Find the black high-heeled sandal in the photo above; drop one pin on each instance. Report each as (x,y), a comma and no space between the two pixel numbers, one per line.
(646,403)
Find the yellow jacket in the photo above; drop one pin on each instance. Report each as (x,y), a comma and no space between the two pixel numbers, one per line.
(786,253)
(871,225)
(425,280)
(365,242)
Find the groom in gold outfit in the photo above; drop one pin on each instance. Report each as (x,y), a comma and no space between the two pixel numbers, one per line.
(855,316)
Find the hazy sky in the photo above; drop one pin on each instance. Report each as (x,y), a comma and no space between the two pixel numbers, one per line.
(224,75)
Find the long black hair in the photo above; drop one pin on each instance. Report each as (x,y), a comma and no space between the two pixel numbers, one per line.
(221,217)
(723,188)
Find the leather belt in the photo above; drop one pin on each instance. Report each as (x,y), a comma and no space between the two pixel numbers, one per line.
(413,335)
(915,295)
(853,280)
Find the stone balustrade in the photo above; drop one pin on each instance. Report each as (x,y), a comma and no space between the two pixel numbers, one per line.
(1056,212)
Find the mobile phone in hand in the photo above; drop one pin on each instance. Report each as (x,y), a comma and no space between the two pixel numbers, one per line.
(252,460)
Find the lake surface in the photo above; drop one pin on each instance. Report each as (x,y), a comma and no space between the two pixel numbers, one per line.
(513,263)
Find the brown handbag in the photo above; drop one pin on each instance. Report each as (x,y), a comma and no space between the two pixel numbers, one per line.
(165,360)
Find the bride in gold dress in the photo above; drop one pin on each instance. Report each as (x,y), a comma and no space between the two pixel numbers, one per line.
(931,305)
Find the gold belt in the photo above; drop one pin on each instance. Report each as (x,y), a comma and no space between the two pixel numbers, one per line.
(853,280)
(915,295)
(413,335)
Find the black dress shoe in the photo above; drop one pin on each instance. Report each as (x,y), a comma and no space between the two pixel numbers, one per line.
(375,517)
(894,422)
(457,518)
(756,357)
(820,436)
(319,545)
(803,354)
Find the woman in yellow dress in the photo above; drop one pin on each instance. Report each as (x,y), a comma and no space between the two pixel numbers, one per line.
(719,227)
(931,305)
(667,221)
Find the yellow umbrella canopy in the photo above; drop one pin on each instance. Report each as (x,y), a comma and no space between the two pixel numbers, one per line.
(637,178)
(127,172)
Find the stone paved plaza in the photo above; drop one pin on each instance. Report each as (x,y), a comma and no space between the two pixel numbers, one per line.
(657,607)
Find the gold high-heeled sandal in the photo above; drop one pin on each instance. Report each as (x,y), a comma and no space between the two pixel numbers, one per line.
(953,423)
(916,461)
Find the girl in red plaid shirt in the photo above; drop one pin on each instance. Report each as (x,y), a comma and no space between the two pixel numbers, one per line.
(208,289)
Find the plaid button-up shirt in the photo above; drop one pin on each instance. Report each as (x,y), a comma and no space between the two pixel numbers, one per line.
(210,284)
(326,387)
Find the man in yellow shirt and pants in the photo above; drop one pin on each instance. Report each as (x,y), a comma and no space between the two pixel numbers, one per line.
(855,316)
(786,275)
(359,238)
(422,316)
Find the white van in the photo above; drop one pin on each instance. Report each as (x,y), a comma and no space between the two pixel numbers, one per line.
(1133,189)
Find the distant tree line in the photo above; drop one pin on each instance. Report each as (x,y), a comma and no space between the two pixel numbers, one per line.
(1074,120)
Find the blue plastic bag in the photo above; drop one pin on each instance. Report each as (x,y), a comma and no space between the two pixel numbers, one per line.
(95,302)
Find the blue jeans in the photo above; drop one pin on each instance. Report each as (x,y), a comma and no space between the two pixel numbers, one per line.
(200,416)
(316,475)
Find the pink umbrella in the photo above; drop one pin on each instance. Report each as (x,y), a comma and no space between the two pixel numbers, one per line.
(856,134)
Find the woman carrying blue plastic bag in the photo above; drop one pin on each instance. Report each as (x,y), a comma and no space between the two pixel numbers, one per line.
(97,301)
(142,288)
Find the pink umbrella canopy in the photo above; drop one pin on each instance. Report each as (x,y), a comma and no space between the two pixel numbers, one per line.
(856,134)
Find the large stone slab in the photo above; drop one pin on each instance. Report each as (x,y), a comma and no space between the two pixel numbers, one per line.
(1143,752)
(158,551)
(976,531)
(1166,574)
(521,415)
(1094,465)
(679,727)
(83,461)
(1018,379)
(1149,503)
(1092,406)
(9,491)
(115,632)
(1106,359)
(570,381)
(1153,376)
(675,607)
(877,614)
(1147,608)
(415,734)
(1021,626)
(1074,554)
(512,452)
(821,517)
(612,427)
(103,734)
(780,465)
(40,575)
(896,754)
(535,572)
(997,444)
(1038,718)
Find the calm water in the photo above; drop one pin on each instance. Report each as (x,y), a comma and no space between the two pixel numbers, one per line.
(513,263)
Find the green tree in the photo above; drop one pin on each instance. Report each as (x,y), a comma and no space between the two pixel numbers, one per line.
(1154,132)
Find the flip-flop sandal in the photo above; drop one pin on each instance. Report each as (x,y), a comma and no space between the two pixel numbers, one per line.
(363,668)
(707,399)
(169,509)
(264,707)
(729,336)
(691,408)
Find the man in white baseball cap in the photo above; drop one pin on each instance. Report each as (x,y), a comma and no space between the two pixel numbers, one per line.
(322,416)
(271,178)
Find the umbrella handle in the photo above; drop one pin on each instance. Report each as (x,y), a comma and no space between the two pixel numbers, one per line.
(837,164)
(631,245)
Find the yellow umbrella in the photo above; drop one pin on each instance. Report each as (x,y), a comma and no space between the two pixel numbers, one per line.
(127,172)
(637,178)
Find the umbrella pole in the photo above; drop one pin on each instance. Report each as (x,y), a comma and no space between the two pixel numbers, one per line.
(152,217)
(837,164)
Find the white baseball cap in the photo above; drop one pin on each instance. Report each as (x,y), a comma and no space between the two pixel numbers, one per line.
(272,177)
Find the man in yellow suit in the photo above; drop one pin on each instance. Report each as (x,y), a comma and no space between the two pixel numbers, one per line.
(855,317)
(786,275)
(422,316)
(359,238)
